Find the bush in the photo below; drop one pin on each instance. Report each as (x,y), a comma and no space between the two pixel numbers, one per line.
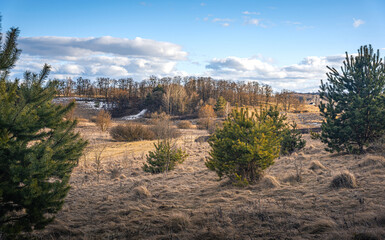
(185,124)
(131,132)
(103,120)
(165,157)
(291,140)
(206,116)
(163,129)
(246,145)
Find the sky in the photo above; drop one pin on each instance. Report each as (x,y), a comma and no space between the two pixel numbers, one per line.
(286,44)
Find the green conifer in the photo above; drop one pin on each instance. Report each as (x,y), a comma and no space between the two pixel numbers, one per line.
(353,103)
(246,145)
(164,158)
(38,148)
(220,106)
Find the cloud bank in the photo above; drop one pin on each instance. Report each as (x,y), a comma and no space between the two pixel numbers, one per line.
(304,76)
(103,56)
(140,58)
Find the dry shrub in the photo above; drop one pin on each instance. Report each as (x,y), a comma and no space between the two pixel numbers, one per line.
(131,132)
(316,165)
(185,124)
(269,182)
(103,120)
(179,222)
(156,117)
(141,192)
(206,116)
(344,180)
(163,129)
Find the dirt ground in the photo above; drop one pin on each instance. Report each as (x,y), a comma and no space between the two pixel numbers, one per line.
(191,203)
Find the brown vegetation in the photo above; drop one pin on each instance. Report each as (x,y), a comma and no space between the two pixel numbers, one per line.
(103,120)
(190,203)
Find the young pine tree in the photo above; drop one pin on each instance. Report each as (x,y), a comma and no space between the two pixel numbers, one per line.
(164,158)
(246,145)
(354,103)
(220,107)
(38,148)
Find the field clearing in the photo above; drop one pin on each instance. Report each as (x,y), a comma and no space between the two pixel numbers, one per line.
(190,202)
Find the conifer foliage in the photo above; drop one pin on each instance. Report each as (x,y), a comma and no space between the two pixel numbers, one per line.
(164,158)
(38,148)
(246,145)
(354,102)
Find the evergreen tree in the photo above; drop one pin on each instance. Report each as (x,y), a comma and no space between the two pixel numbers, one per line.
(354,103)
(164,158)
(291,140)
(38,148)
(246,145)
(220,106)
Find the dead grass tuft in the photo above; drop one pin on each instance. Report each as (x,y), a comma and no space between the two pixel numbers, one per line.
(316,165)
(372,161)
(141,192)
(269,182)
(179,222)
(344,180)
(320,226)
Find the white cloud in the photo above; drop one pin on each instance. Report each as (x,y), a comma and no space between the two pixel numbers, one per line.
(226,24)
(304,76)
(250,13)
(253,21)
(357,22)
(71,46)
(103,56)
(222,20)
(203,4)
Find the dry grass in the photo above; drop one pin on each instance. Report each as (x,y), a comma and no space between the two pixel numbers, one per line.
(344,180)
(190,202)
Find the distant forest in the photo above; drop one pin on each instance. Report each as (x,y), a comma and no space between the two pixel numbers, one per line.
(177,95)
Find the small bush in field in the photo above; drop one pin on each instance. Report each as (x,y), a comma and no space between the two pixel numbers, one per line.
(103,120)
(206,116)
(291,140)
(165,157)
(163,129)
(131,132)
(185,124)
(246,145)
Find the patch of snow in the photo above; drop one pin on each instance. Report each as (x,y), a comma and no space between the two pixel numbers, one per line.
(136,116)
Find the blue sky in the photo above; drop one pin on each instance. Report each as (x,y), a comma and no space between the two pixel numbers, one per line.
(286,44)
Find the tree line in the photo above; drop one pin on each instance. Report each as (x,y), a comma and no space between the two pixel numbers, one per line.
(175,95)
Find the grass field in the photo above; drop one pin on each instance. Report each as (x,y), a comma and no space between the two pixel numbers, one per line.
(190,202)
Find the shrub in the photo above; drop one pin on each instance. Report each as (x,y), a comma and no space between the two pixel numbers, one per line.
(246,145)
(103,120)
(185,124)
(354,103)
(165,157)
(163,129)
(291,140)
(206,116)
(131,132)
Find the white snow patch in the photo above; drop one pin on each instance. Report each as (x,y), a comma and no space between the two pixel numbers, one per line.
(136,116)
